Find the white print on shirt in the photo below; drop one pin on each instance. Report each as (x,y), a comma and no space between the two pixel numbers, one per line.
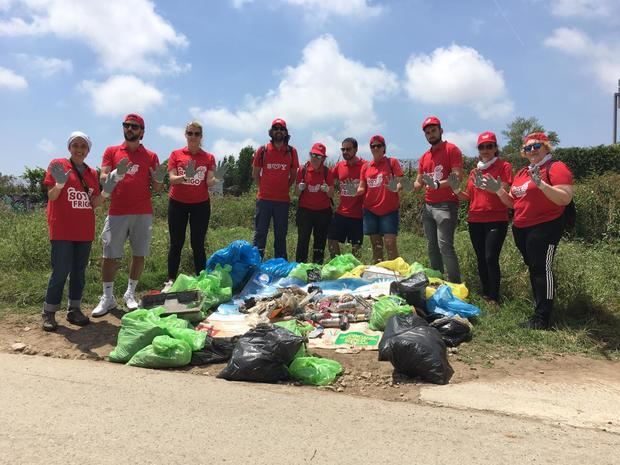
(520,191)
(375,182)
(437,174)
(133,169)
(356,183)
(314,187)
(79,198)
(277,166)
(201,172)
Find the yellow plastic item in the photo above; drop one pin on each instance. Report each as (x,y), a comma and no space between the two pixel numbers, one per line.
(459,290)
(354,273)
(398,264)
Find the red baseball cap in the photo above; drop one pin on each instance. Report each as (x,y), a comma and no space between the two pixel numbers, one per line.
(431,120)
(319,149)
(536,136)
(377,138)
(278,121)
(135,117)
(487,137)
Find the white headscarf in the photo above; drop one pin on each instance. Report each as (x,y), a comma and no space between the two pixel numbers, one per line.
(79,134)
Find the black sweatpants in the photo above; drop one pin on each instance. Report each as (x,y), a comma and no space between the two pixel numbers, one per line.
(537,245)
(488,239)
(198,215)
(316,223)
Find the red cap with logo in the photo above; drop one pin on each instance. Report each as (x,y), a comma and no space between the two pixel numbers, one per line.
(487,137)
(540,136)
(430,121)
(135,117)
(319,149)
(278,122)
(377,138)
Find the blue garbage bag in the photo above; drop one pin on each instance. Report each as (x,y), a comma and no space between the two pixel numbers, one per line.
(277,267)
(443,302)
(241,256)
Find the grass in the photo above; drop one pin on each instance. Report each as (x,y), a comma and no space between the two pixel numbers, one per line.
(587,313)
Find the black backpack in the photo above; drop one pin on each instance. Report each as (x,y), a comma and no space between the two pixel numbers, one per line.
(570,211)
(263,149)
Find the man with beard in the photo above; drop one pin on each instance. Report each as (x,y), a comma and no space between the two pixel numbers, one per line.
(130,216)
(274,170)
(347,224)
(441,208)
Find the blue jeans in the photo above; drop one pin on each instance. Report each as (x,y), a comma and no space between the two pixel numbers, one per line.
(69,259)
(265,210)
(380,225)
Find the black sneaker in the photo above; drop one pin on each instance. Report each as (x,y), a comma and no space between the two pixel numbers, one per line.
(535,323)
(49,321)
(76,317)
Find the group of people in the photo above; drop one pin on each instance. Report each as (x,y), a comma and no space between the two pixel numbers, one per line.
(368,204)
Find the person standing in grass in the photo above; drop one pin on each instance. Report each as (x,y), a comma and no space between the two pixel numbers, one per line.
(487,216)
(73,194)
(315,188)
(539,195)
(191,172)
(134,170)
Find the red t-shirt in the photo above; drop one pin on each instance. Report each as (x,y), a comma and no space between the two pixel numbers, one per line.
(350,206)
(313,198)
(530,203)
(438,162)
(132,195)
(71,217)
(378,198)
(193,190)
(485,206)
(276,166)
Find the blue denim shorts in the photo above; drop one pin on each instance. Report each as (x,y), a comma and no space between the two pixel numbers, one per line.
(384,224)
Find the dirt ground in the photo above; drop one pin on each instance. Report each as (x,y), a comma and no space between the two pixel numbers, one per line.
(363,374)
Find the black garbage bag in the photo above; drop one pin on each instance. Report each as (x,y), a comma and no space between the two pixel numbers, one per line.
(453,330)
(419,352)
(412,289)
(216,350)
(263,355)
(395,325)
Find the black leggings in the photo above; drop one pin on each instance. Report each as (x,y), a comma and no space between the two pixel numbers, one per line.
(198,215)
(538,244)
(488,239)
(307,222)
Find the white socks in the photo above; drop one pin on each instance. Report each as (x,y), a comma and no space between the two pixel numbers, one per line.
(108,290)
(131,286)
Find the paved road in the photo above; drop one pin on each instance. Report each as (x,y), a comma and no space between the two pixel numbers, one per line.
(67,411)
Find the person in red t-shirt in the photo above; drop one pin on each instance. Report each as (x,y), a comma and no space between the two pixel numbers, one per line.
(487,216)
(347,224)
(191,173)
(440,214)
(380,183)
(73,194)
(134,170)
(315,188)
(274,170)
(539,196)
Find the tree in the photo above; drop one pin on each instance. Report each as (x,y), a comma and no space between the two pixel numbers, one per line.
(518,129)
(8,184)
(35,177)
(244,168)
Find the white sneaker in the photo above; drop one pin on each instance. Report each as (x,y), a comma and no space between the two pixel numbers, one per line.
(168,285)
(105,305)
(130,300)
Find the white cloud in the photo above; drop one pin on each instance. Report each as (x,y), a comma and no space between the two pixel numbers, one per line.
(320,10)
(584,8)
(324,88)
(600,59)
(175,133)
(126,35)
(122,94)
(458,76)
(222,147)
(463,139)
(47,146)
(45,66)
(10,80)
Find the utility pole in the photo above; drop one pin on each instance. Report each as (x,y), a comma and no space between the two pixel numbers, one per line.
(616,107)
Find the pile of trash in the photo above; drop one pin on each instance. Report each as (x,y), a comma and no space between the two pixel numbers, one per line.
(264,318)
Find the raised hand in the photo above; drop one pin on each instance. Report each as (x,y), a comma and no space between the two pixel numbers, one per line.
(190,169)
(59,174)
(453,181)
(221,169)
(429,181)
(392,184)
(536,176)
(491,184)
(349,188)
(478,179)
(158,174)
(109,184)
(406,184)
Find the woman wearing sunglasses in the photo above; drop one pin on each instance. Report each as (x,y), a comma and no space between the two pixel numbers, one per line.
(315,188)
(539,195)
(487,216)
(191,172)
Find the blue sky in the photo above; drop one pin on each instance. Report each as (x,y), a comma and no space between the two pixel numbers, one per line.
(331,68)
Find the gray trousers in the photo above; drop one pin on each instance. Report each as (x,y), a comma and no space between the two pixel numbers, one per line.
(439,221)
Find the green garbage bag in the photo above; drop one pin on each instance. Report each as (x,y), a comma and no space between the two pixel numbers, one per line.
(164,352)
(216,286)
(338,266)
(138,329)
(195,339)
(314,370)
(301,271)
(184,283)
(386,307)
(429,272)
(299,329)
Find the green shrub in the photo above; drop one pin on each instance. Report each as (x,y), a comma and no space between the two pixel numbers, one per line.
(586,162)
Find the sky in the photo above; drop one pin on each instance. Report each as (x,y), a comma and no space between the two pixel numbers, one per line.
(331,68)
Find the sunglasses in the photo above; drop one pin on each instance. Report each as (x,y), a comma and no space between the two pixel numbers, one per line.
(529,148)
(315,155)
(193,133)
(376,146)
(278,128)
(489,146)
(133,126)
